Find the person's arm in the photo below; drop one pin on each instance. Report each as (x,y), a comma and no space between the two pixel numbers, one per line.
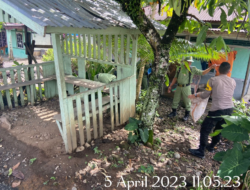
(209,69)
(204,94)
(172,83)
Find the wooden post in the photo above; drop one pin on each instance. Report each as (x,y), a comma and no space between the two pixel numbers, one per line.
(133,79)
(62,92)
(246,79)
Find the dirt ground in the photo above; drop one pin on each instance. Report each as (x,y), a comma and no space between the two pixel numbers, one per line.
(34,134)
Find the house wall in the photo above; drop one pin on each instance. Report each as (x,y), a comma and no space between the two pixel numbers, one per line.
(11,38)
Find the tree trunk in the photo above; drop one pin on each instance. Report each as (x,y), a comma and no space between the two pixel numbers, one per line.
(160,47)
(139,80)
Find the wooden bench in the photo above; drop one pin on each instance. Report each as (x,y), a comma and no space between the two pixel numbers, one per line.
(27,83)
(105,104)
(83,82)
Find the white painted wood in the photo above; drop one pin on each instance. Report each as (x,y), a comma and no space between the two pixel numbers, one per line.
(62,92)
(80,122)
(93,105)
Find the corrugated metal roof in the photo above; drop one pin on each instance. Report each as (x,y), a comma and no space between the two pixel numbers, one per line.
(203,14)
(94,14)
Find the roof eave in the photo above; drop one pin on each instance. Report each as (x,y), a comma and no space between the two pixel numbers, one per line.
(21,16)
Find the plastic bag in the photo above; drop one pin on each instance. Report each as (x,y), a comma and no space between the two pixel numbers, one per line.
(198,107)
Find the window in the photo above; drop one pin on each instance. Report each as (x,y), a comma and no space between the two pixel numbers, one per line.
(19,37)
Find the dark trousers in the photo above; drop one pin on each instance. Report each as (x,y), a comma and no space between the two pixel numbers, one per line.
(209,123)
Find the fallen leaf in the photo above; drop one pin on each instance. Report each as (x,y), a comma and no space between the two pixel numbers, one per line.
(18,174)
(16,184)
(16,166)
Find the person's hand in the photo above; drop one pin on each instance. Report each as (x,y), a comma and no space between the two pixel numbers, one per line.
(169,89)
(191,96)
(213,66)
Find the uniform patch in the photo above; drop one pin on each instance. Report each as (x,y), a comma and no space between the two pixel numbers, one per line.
(208,88)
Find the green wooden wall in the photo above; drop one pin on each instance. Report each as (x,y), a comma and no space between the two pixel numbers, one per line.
(17,52)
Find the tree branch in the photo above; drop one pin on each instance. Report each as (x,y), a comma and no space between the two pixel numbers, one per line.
(193,16)
(242,24)
(174,24)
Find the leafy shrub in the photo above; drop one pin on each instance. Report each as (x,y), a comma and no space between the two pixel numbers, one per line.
(235,161)
(242,107)
(137,132)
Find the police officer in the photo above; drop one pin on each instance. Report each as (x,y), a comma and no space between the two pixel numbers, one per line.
(221,88)
(184,78)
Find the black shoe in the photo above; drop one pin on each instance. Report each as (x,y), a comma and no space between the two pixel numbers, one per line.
(185,118)
(173,113)
(197,152)
(210,148)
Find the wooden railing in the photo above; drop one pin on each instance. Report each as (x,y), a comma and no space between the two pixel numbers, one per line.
(80,109)
(25,84)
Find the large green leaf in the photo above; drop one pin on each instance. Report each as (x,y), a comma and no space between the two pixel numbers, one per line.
(246,154)
(237,120)
(233,165)
(202,35)
(132,138)
(187,66)
(213,43)
(231,9)
(151,136)
(219,156)
(235,133)
(219,43)
(215,133)
(211,8)
(133,120)
(223,17)
(144,134)
(131,126)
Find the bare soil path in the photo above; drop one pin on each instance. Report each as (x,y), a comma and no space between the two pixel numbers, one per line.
(34,134)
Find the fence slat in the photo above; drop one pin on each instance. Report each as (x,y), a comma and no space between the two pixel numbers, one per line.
(94,46)
(104,48)
(75,43)
(63,40)
(1,101)
(110,48)
(111,108)
(79,118)
(116,106)
(32,90)
(14,90)
(27,87)
(72,123)
(89,46)
(20,88)
(87,119)
(80,44)
(67,44)
(100,112)
(39,84)
(127,49)
(70,43)
(84,44)
(94,114)
(99,46)
(7,92)
(116,49)
(122,50)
